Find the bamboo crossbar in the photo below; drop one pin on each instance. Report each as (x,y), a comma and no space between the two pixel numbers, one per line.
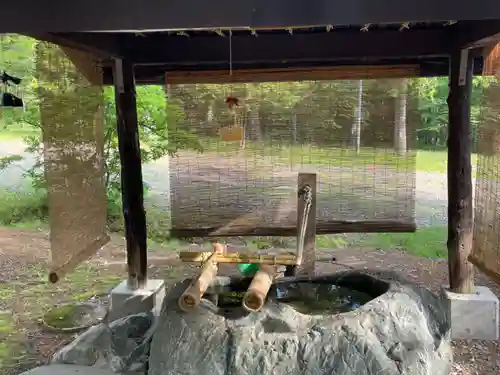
(237,258)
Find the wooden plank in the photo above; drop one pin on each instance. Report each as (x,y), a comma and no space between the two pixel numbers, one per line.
(328,227)
(186,14)
(460,221)
(131,173)
(294,74)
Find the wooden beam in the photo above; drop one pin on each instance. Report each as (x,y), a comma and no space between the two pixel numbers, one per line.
(460,221)
(473,34)
(340,45)
(104,47)
(294,74)
(131,173)
(491,62)
(62,15)
(155,75)
(330,227)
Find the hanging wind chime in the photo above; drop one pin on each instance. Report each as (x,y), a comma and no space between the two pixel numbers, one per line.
(234,132)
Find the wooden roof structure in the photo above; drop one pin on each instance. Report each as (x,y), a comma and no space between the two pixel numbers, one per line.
(192,35)
(188,39)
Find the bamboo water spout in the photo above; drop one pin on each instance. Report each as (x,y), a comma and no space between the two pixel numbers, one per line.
(255,297)
(190,299)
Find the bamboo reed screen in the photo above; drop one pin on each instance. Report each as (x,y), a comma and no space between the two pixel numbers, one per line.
(71,109)
(486,243)
(239,176)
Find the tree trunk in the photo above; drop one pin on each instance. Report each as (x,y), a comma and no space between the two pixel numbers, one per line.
(254,129)
(356,126)
(294,127)
(400,118)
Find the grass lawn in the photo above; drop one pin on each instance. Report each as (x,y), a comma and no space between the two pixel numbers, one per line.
(19,321)
(426,160)
(17,132)
(428,242)
(437,161)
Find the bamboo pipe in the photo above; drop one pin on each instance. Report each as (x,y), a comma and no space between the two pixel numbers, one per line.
(191,297)
(256,294)
(196,257)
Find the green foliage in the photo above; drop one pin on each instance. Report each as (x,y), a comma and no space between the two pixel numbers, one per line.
(25,206)
(432,94)
(154,117)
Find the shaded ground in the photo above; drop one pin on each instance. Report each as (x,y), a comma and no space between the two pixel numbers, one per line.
(25,294)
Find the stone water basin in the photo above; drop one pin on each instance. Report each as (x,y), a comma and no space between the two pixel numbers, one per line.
(315,298)
(349,323)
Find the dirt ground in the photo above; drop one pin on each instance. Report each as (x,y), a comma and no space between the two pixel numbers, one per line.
(25,294)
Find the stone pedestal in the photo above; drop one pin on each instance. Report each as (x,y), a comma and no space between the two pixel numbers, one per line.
(403,329)
(475,315)
(126,301)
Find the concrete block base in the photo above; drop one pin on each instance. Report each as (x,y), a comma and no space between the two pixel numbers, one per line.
(126,301)
(475,315)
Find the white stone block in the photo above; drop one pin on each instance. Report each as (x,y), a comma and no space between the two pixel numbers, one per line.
(475,315)
(126,301)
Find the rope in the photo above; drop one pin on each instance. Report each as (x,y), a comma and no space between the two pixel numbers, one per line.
(305,194)
(230,53)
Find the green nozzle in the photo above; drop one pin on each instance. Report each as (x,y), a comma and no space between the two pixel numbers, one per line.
(248,269)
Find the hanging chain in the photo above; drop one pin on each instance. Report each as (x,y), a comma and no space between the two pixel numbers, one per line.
(306,195)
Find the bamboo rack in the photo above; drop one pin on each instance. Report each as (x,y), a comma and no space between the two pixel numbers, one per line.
(256,294)
(239,257)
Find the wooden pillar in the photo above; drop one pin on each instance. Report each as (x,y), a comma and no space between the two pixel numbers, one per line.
(307,265)
(131,172)
(460,219)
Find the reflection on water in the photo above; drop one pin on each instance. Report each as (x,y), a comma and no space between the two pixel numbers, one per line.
(305,297)
(318,299)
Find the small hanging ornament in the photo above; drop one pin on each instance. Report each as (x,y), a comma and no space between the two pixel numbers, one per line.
(234,132)
(232,101)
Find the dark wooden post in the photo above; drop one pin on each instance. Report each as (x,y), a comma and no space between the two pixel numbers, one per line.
(131,172)
(460,219)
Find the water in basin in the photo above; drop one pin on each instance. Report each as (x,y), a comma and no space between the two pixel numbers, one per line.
(320,299)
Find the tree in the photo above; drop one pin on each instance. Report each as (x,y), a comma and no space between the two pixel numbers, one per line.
(356,126)
(400,117)
(156,118)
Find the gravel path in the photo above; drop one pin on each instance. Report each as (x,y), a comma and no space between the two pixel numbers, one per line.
(431,192)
